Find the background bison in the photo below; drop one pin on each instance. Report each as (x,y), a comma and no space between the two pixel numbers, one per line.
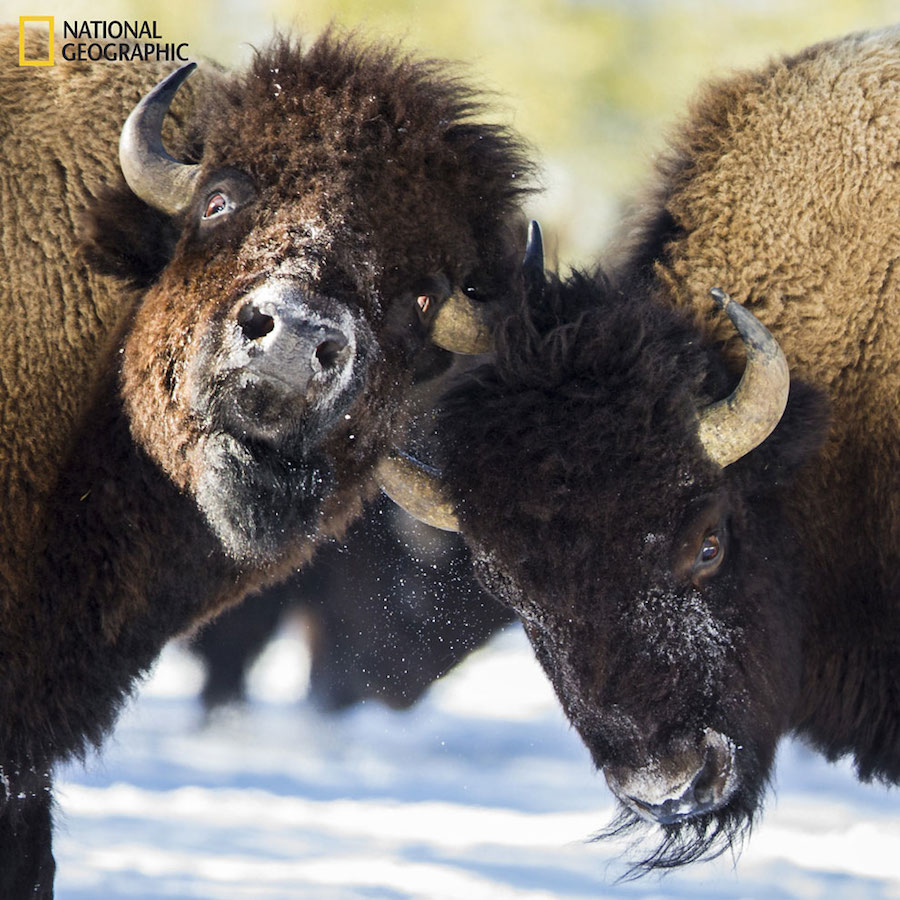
(388,609)
(700,569)
(184,420)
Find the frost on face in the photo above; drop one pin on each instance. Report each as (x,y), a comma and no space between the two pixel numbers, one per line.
(498,582)
(680,628)
(673,783)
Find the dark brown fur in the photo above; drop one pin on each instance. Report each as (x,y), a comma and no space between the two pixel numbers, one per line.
(595,393)
(368,175)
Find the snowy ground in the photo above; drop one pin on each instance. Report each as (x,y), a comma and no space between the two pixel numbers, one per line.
(481,791)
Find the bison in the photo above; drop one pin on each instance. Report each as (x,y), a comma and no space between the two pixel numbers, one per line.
(705,554)
(202,362)
(388,610)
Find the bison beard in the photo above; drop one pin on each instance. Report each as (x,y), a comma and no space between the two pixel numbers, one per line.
(255,499)
(702,838)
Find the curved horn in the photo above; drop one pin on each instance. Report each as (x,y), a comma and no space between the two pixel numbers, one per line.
(157,178)
(732,427)
(416,488)
(461,327)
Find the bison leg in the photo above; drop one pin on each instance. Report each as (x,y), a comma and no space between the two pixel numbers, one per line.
(231,644)
(26,859)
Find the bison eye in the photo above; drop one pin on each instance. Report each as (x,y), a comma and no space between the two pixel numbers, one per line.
(216,204)
(710,549)
(710,555)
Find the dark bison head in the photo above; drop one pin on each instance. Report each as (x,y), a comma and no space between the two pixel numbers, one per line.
(341,203)
(635,523)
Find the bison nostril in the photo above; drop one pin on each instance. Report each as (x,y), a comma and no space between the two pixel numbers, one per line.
(712,779)
(328,352)
(253,323)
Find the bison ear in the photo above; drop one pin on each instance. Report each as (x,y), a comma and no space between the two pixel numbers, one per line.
(124,237)
(797,438)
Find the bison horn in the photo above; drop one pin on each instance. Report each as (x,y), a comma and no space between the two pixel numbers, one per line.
(732,427)
(533,263)
(461,326)
(413,485)
(416,488)
(157,178)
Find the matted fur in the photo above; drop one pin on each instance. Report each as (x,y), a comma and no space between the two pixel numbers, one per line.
(583,491)
(370,172)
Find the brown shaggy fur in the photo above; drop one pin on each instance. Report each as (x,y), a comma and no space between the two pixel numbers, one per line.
(369,175)
(801,159)
(780,188)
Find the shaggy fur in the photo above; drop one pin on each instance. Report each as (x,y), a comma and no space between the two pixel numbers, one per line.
(781,189)
(367,176)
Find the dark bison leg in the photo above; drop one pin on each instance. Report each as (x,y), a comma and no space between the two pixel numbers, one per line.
(389,610)
(26,858)
(231,644)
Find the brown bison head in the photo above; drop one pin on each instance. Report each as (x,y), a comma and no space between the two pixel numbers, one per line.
(298,271)
(634,523)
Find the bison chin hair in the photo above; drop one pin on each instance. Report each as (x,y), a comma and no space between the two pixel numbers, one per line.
(697,839)
(257,504)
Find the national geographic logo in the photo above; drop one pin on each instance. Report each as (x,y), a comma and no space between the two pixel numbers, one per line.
(23,61)
(98,40)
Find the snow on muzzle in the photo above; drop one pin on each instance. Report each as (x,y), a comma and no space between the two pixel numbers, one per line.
(295,339)
(694,780)
(288,354)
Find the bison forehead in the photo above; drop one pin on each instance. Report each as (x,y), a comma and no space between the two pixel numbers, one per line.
(389,145)
(328,260)
(566,534)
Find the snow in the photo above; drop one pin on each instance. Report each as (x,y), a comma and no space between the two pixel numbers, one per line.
(480,791)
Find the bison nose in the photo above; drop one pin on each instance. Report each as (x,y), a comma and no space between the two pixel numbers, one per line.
(687,783)
(295,342)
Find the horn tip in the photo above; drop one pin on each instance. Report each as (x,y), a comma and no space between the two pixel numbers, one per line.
(534,249)
(182,72)
(720,297)
(170,84)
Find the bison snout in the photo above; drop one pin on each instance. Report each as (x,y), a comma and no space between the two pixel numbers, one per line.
(297,343)
(690,782)
(283,367)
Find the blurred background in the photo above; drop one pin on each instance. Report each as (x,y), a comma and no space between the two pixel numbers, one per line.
(593,84)
(480,789)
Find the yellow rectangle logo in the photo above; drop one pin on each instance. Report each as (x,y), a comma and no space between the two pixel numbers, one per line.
(35,62)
